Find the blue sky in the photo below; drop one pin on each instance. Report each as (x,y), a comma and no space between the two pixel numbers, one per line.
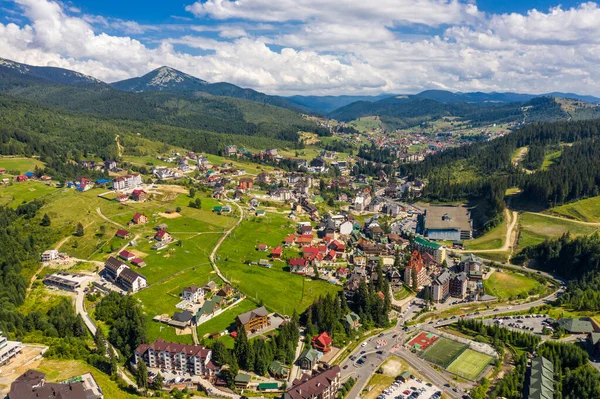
(318,46)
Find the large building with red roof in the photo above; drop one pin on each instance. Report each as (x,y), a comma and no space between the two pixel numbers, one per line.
(322,342)
(193,359)
(415,266)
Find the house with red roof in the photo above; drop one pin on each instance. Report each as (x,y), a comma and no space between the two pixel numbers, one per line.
(139,195)
(289,240)
(299,265)
(163,236)
(304,240)
(122,234)
(22,178)
(126,255)
(139,218)
(330,256)
(322,342)
(122,198)
(309,252)
(139,262)
(262,247)
(337,246)
(276,253)
(341,272)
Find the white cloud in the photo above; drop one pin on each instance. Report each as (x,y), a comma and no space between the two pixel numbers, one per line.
(326,47)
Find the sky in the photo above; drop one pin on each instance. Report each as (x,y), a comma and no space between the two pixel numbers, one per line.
(318,47)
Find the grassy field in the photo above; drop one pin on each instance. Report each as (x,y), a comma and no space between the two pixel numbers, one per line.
(60,370)
(402,293)
(507,284)
(470,364)
(550,159)
(443,351)
(537,228)
(276,287)
(390,369)
(22,165)
(491,240)
(587,210)
(223,321)
(366,123)
(15,194)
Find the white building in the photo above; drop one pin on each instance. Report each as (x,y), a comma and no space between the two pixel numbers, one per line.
(50,255)
(128,182)
(8,349)
(192,293)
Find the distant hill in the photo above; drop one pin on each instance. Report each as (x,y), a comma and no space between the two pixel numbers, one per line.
(15,71)
(326,104)
(408,111)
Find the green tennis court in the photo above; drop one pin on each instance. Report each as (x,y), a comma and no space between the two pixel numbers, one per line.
(469,364)
(443,351)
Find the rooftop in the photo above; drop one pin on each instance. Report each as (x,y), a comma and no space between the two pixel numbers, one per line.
(447,218)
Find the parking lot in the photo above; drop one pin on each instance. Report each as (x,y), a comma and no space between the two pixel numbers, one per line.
(411,389)
(533,323)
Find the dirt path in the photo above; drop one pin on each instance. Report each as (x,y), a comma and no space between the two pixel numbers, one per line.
(214,251)
(107,219)
(593,224)
(512,217)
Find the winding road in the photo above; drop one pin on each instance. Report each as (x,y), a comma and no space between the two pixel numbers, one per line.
(214,251)
(509,238)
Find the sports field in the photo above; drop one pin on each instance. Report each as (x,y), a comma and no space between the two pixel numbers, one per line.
(470,364)
(443,351)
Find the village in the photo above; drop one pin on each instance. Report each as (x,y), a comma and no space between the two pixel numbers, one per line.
(316,222)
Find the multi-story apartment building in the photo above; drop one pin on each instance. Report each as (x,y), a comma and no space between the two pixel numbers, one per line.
(321,384)
(127,182)
(440,287)
(193,359)
(8,349)
(415,266)
(458,285)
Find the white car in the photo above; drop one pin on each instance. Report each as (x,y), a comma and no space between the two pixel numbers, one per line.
(363,344)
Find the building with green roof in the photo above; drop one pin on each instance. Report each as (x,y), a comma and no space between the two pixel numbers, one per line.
(279,370)
(540,381)
(576,326)
(352,320)
(242,380)
(308,359)
(264,386)
(433,248)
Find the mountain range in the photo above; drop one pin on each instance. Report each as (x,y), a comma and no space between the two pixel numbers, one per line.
(170,97)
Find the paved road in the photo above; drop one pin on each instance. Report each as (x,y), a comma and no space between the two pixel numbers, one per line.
(394,337)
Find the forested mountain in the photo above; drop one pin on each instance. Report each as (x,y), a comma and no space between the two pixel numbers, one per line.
(28,128)
(574,175)
(163,78)
(409,111)
(172,80)
(11,70)
(326,104)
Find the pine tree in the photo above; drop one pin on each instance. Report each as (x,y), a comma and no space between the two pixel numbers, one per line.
(79,232)
(45,220)
(141,375)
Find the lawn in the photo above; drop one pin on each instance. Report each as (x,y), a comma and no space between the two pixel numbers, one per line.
(22,165)
(402,293)
(491,240)
(587,210)
(278,289)
(470,364)
(550,159)
(366,123)
(61,370)
(443,351)
(507,284)
(225,319)
(161,299)
(535,229)
(15,194)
